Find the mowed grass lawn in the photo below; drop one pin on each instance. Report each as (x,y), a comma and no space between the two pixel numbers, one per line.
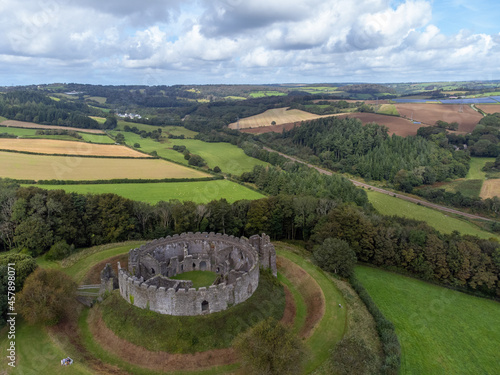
(229,158)
(388,205)
(196,191)
(47,167)
(441,331)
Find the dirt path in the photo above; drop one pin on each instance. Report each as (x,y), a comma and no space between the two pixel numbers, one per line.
(311,292)
(163,361)
(387,192)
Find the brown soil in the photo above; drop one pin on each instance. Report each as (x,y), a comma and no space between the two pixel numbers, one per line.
(290,308)
(489,108)
(93,276)
(428,114)
(396,125)
(310,290)
(32,125)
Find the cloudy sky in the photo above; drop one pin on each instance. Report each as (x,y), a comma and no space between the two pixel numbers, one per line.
(169,42)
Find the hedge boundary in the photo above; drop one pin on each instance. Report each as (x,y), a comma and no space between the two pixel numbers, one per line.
(385,329)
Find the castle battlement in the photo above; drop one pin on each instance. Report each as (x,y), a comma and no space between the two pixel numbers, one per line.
(147,283)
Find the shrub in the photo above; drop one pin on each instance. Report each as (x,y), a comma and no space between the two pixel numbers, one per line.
(47,297)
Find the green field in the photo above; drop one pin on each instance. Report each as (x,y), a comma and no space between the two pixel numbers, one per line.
(388,205)
(469,188)
(31,133)
(441,331)
(229,158)
(199,278)
(96,138)
(261,94)
(174,130)
(476,164)
(196,191)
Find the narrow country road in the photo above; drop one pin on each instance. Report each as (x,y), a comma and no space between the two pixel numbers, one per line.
(374,188)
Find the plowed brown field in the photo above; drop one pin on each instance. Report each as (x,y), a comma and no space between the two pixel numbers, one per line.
(428,114)
(489,108)
(32,125)
(396,125)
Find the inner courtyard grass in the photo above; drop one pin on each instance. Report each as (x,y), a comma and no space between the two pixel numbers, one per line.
(190,334)
(199,278)
(441,331)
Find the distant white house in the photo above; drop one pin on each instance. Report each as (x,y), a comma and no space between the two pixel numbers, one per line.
(129,115)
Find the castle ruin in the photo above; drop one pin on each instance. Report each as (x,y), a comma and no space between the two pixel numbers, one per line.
(147,283)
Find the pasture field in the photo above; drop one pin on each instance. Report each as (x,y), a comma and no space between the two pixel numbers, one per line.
(100,120)
(47,167)
(174,130)
(279,115)
(261,94)
(428,114)
(98,99)
(489,108)
(491,188)
(97,138)
(31,133)
(476,164)
(469,188)
(32,125)
(196,191)
(2,119)
(51,146)
(388,109)
(388,205)
(229,158)
(441,331)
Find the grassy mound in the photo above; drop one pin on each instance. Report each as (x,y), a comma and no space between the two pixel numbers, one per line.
(199,278)
(190,334)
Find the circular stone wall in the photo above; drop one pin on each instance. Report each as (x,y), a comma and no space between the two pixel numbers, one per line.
(147,282)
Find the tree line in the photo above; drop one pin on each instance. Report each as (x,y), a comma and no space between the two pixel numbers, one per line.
(32,106)
(53,222)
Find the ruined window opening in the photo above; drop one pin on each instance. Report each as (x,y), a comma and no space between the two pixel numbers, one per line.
(153,271)
(204,306)
(182,267)
(194,265)
(217,270)
(203,266)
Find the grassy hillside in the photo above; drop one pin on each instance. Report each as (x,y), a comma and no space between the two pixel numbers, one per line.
(388,205)
(441,331)
(197,191)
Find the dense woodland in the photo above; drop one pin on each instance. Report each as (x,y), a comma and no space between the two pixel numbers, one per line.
(35,107)
(345,145)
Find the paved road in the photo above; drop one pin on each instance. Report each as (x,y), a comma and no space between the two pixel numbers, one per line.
(391,193)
